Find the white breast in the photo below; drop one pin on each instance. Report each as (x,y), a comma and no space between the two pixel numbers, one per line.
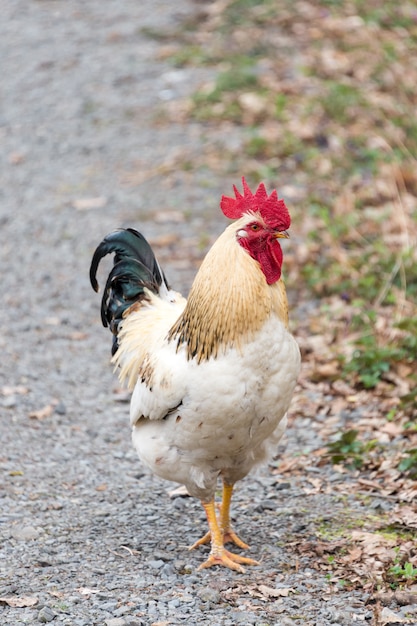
(231,414)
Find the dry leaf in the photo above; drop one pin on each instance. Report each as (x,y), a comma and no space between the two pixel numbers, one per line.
(78,336)
(15,158)
(271,592)
(19,602)
(40,414)
(10,391)
(83,204)
(164,241)
(57,594)
(86,591)
(389,617)
(407,516)
(402,597)
(169,216)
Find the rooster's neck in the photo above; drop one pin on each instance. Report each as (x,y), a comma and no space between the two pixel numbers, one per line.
(229,301)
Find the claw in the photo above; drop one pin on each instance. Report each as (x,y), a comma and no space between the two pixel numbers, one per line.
(218,553)
(231,537)
(228,559)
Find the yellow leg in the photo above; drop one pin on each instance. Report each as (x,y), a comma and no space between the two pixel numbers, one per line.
(218,553)
(224,518)
(228,534)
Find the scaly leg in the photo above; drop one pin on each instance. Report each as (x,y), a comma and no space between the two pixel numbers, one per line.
(218,553)
(228,533)
(224,518)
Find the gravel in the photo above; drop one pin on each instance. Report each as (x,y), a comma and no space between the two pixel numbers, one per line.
(87,536)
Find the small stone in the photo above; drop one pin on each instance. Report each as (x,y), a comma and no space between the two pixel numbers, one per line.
(266,505)
(245,618)
(9,402)
(156,564)
(174,603)
(24,533)
(108,606)
(122,610)
(209,595)
(115,621)
(187,598)
(46,615)
(163,556)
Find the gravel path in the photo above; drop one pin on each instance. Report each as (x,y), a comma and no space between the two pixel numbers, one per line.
(84,529)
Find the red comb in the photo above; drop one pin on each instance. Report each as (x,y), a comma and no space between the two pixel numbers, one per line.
(273,211)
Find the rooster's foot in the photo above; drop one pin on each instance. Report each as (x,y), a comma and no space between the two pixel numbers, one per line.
(227,559)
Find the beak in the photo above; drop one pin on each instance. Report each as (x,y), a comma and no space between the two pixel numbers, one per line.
(283,234)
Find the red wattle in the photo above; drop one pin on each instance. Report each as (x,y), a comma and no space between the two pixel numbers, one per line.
(269,256)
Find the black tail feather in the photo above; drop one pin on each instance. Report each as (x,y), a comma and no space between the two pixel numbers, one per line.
(135,268)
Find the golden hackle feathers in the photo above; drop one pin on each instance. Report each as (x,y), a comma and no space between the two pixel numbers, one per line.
(229,300)
(150,319)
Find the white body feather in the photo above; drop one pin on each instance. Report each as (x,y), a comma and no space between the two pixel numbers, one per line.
(194,421)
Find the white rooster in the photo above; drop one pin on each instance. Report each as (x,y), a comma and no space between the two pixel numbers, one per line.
(212,376)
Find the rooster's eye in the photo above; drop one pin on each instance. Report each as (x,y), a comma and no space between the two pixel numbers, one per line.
(255,227)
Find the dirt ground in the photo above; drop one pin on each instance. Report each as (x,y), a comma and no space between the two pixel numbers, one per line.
(88,537)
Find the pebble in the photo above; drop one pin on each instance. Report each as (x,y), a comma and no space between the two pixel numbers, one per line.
(24,533)
(61,409)
(9,402)
(209,595)
(173,604)
(46,615)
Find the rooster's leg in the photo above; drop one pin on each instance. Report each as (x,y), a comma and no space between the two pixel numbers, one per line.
(224,518)
(218,553)
(228,533)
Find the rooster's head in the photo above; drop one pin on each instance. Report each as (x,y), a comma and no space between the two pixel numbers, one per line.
(262,220)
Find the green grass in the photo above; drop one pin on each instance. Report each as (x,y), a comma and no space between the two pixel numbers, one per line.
(349,450)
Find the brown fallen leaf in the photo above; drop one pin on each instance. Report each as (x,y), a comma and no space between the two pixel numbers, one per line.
(40,414)
(271,592)
(402,597)
(78,336)
(86,591)
(390,617)
(57,594)
(15,158)
(406,516)
(8,390)
(84,204)
(169,216)
(19,602)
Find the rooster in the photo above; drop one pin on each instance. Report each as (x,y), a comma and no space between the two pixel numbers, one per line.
(212,376)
